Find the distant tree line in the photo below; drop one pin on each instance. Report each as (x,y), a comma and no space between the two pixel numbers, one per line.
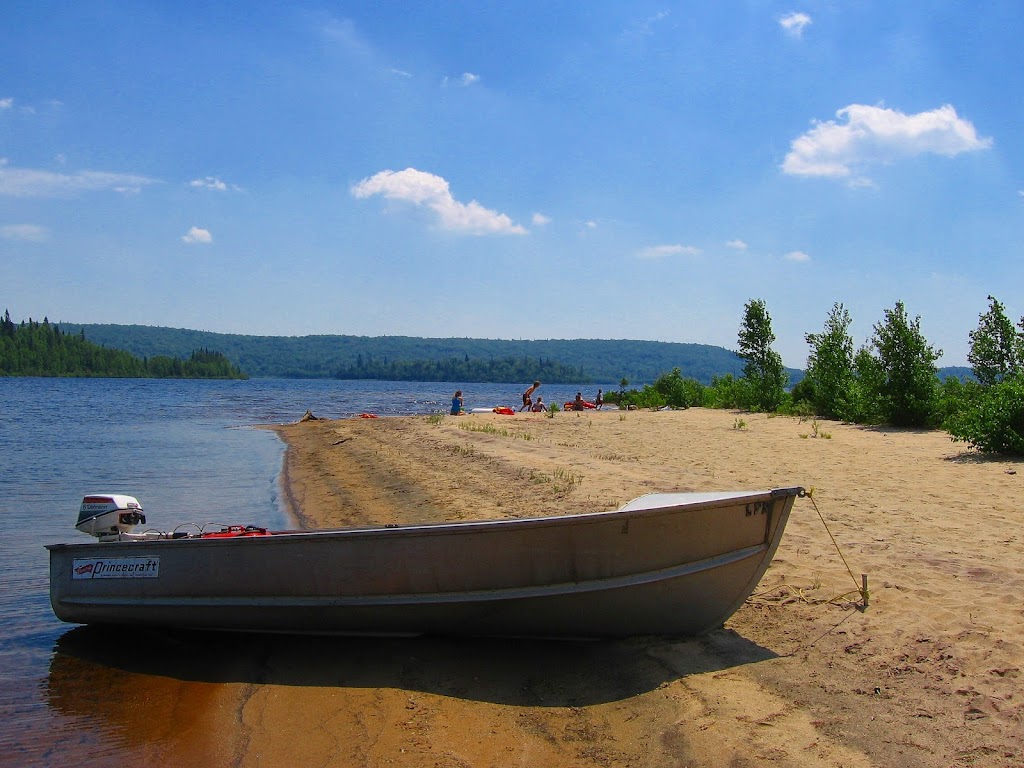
(323,356)
(891,379)
(43,349)
(500,371)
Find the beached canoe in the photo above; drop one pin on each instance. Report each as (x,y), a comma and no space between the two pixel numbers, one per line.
(667,563)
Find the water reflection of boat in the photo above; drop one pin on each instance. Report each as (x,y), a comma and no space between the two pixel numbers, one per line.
(675,563)
(114,705)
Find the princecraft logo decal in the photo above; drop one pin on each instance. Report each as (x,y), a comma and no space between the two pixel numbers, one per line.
(116,568)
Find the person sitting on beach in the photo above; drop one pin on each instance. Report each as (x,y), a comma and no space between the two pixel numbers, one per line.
(538,407)
(457,403)
(528,396)
(599,400)
(577,404)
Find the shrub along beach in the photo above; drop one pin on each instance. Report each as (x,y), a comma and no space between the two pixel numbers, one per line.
(890,380)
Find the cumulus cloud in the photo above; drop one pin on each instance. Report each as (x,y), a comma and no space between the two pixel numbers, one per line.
(426,189)
(29,233)
(794,23)
(30,182)
(6,103)
(212,182)
(737,244)
(874,135)
(540,220)
(662,251)
(197,236)
(796,256)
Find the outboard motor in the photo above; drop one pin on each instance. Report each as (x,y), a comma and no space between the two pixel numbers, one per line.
(109,515)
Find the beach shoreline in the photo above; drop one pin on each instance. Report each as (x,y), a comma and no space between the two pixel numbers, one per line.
(927,675)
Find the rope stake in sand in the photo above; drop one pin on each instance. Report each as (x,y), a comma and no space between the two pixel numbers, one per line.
(862,588)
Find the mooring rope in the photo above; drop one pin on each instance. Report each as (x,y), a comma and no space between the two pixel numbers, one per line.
(861,588)
(798,592)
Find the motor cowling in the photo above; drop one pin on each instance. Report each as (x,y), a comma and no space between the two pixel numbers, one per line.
(109,514)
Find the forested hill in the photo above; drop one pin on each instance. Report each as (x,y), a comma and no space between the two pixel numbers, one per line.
(46,349)
(594,360)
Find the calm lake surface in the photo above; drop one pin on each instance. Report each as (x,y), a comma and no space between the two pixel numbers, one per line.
(188,451)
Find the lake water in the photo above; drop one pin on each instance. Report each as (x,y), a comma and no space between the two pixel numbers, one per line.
(189,452)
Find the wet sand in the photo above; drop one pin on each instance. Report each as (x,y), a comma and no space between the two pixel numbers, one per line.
(928,675)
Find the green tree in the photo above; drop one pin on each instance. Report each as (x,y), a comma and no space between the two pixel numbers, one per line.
(907,364)
(727,391)
(7,325)
(864,405)
(762,366)
(991,418)
(671,389)
(997,348)
(44,349)
(677,391)
(830,365)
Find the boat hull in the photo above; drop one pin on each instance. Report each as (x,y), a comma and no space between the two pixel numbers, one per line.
(663,564)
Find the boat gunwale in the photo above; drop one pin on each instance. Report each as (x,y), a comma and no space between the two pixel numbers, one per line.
(455,527)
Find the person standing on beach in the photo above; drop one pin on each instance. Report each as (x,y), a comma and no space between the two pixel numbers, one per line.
(599,400)
(457,403)
(528,396)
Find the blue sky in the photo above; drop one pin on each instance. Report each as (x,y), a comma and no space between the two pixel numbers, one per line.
(520,171)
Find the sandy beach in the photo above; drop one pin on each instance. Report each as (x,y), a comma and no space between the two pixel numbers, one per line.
(928,675)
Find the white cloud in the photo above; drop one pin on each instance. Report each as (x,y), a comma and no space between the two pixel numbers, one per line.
(29,182)
(738,244)
(799,256)
(590,224)
(29,233)
(794,23)
(343,33)
(466,79)
(661,251)
(27,109)
(196,236)
(540,220)
(861,182)
(212,182)
(645,27)
(426,189)
(874,135)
